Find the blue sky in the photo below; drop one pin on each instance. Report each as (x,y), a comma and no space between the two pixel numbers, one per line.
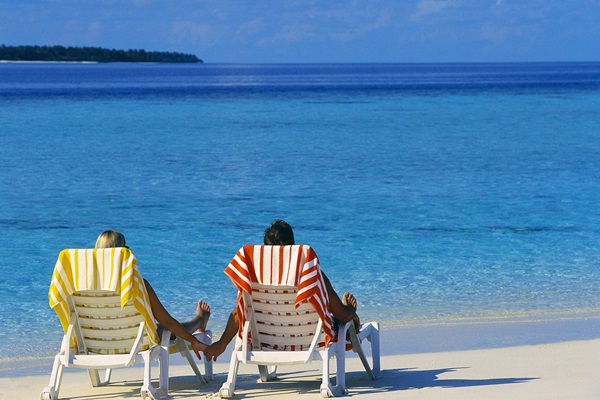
(271,31)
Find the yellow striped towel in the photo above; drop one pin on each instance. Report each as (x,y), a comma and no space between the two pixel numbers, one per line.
(100,269)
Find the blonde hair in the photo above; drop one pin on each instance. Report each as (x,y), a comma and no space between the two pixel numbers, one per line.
(110,239)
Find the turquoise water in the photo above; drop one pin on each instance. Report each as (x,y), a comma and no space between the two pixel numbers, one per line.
(434,192)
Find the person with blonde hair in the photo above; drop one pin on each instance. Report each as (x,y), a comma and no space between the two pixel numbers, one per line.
(183,330)
(110,239)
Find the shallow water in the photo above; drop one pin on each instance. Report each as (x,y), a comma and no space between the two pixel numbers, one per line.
(434,192)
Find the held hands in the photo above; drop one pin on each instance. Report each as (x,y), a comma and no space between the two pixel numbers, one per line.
(214,350)
(197,347)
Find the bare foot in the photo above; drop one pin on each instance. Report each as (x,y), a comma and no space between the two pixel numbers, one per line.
(202,315)
(348,299)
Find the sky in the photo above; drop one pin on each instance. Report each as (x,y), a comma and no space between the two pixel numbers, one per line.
(316,31)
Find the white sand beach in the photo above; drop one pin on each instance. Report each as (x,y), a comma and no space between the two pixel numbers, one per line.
(562,370)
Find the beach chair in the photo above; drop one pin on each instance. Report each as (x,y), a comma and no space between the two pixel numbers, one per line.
(284,319)
(101,301)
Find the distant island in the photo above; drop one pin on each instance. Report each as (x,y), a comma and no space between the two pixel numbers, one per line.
(90,54)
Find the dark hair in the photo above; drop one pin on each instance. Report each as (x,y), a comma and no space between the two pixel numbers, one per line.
(279,233)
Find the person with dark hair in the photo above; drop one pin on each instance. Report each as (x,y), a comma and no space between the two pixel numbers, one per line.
(280,233)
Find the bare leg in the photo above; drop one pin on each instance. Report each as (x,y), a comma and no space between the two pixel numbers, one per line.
(198,324)
(349,300)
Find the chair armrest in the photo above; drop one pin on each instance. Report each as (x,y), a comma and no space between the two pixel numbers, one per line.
(165,340)
(315,341)
(245,332)
(65,347)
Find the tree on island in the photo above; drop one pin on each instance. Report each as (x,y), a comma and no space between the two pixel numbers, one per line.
(93,54)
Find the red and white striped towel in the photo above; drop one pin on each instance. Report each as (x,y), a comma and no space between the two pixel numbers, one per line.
(296,265)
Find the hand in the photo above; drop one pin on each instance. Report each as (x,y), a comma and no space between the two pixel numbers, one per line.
(214,350)
(197,347)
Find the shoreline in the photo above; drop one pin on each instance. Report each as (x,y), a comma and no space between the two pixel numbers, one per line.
(408,339)
(489,334)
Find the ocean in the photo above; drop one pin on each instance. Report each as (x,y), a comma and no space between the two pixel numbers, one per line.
(433,192)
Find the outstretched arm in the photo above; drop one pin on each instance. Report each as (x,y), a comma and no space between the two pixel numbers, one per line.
(218,347)
(168,322)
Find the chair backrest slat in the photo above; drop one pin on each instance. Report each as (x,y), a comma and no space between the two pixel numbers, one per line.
(279,323)
(110,334)
(106,328)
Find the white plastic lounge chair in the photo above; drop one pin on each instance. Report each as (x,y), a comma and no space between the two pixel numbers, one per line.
(284,317)
(101,301)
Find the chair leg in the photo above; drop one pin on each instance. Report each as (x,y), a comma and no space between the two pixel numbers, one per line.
(183,349)
(327,389)
(340,371)
(375,352)
(369,331)
(267,373)
(206,338)
(163,377)
(50,392)
(228,387)
(107,375)
(148,391)
(208,369)
(95,377)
